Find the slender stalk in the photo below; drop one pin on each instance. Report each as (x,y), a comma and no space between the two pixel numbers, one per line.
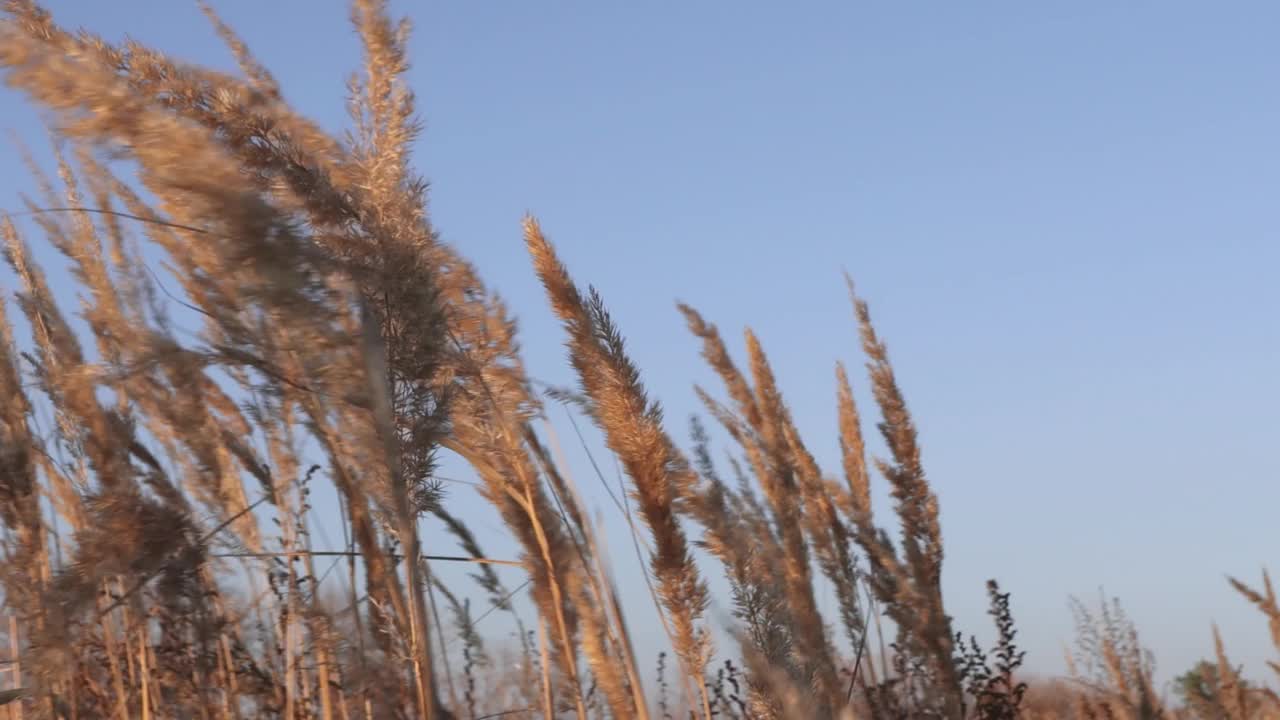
(15,672)
(144,667)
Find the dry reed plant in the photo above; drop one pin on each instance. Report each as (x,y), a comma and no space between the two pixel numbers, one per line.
(156,480)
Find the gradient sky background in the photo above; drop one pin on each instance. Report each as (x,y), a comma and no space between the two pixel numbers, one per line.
(1064,216)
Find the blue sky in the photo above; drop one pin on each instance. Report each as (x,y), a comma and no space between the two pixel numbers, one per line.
(1063,216)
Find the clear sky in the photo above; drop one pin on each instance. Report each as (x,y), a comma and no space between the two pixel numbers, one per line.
(1064,216)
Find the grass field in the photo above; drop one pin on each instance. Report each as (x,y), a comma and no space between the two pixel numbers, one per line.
(155,480)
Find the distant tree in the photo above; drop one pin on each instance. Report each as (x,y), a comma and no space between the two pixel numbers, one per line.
(1201,691)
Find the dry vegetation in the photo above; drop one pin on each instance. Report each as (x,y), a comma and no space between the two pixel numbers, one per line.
(154,482)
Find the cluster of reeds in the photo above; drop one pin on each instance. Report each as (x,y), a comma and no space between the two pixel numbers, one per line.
(155,479)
